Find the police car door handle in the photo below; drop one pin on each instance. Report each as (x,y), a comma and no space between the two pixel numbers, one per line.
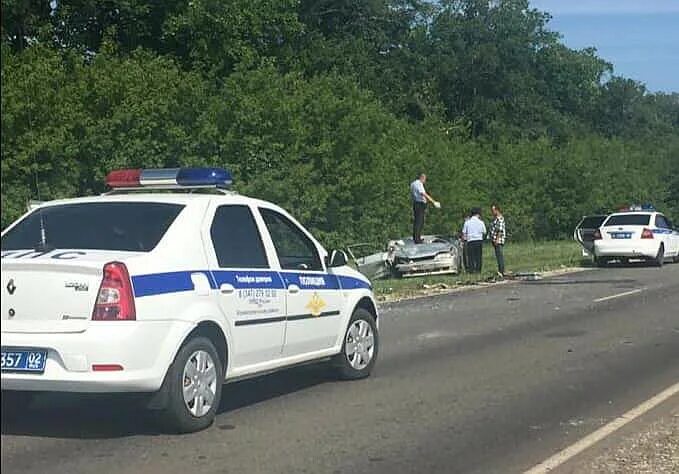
(226,288)
(293,289)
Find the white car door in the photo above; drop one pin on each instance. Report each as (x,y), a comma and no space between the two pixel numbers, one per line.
(672,236)
(314,301)
(664,230)
(250,292)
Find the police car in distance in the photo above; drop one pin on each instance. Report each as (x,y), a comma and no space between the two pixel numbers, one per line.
(172,294)
(639,232)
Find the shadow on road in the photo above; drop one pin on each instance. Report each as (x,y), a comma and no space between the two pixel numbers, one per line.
(90,416)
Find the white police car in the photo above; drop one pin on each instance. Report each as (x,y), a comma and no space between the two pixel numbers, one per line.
(172,294)
(639,232)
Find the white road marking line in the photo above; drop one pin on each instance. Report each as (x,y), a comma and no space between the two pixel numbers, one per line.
(619,295)
(593,438)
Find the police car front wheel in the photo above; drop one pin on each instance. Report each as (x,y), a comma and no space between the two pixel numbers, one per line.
(359,347)
(194,387)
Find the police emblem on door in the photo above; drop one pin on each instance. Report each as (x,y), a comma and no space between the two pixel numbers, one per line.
(315,305)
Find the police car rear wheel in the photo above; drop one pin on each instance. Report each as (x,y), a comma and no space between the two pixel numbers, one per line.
(360,346)
(195,387)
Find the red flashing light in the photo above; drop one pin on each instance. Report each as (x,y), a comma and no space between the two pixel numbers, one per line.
(106,367)
(647,234)
(115,300)
(124,178)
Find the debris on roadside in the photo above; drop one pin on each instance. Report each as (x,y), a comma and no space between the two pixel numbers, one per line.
(527,276)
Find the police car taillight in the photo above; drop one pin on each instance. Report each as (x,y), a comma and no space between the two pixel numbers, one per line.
(647,234)
(115,300)
(596,235)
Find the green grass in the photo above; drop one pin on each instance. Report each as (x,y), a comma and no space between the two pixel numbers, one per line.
(519,257)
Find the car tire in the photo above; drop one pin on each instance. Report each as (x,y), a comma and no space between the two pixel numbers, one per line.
(660,257)
(600,261)
(360,346)
(197,363)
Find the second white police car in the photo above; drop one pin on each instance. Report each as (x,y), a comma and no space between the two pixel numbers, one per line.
(639,232)
(172,294)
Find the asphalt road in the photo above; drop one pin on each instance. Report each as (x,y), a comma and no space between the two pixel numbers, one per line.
(492,380)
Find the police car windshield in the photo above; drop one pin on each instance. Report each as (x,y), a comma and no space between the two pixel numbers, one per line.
(121,226)
(628,219)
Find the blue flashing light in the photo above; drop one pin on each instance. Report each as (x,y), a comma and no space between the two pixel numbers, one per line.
(204,177)
(647,207)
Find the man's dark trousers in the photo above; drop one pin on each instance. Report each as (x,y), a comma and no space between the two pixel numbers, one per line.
(465,257)
(419,208)
(499,255)
(475,255)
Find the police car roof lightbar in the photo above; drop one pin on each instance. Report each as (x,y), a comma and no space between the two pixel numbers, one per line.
(637,207)
(169,178)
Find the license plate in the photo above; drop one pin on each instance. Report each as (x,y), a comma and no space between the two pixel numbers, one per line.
(621,235)
(23,361)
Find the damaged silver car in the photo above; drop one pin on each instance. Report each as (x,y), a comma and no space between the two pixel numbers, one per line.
(437,255)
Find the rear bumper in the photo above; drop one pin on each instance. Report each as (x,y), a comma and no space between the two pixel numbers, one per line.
(647,248)
(145,350)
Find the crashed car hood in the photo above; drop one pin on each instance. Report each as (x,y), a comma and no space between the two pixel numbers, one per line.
(422,250)
(408,249)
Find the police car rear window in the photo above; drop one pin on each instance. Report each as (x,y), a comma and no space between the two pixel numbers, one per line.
(628,219)
(122,226)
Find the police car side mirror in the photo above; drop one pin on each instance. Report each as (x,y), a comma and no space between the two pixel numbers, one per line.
(337,258)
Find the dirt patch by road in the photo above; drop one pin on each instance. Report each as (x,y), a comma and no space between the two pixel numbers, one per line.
(442,288)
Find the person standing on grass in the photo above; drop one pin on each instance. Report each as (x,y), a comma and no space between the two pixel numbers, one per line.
(420,198)
(498,234)
(474,230)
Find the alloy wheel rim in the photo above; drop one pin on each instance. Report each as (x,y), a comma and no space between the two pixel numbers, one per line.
(199,383)
(359,344)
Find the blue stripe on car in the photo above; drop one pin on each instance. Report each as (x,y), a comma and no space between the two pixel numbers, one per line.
(311,281)
(162,283)
(174,282)
(249,278)
(351,283)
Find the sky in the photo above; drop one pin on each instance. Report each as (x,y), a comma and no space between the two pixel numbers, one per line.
(639,37)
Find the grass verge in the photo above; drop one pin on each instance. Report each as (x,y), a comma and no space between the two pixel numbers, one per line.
(519,257)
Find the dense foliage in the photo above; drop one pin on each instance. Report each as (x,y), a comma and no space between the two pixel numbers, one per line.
(330,108)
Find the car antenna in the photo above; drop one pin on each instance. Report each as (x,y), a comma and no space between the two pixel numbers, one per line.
(43,234)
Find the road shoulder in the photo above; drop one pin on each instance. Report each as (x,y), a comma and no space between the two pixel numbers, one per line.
(649,444)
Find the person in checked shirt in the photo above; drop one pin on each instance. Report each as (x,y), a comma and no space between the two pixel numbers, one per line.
(498,235)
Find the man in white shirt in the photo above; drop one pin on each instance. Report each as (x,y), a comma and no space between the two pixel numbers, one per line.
(473,231)
(420,198)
